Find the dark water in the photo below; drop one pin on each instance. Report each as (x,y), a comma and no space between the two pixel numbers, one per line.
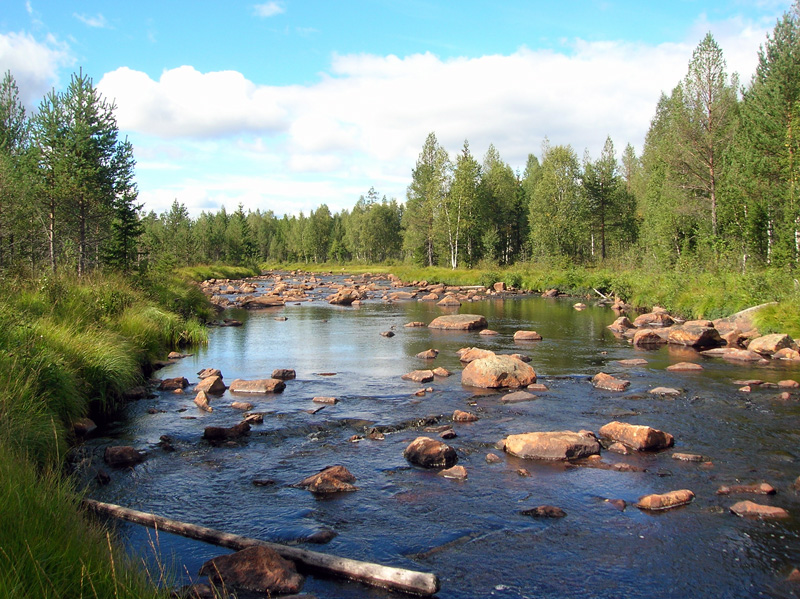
(471,532)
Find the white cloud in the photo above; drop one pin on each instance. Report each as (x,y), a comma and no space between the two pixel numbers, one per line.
(33,63)
(98,21)
(269,9)
(364,122)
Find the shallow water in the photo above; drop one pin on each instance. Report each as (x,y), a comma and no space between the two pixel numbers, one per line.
(471,532)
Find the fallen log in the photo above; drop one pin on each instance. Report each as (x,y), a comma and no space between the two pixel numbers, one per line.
(396,579)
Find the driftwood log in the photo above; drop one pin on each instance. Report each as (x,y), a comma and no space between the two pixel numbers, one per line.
(396,579)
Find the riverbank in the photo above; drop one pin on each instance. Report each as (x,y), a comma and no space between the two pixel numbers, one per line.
(70,349)
(688,294)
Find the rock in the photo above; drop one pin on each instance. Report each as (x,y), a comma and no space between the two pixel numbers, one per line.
(430,297)
(632,362)
(579,306)
(757,489)
(212,385)
(456,472)
(459,322)
(428,354)
(618,504)
(333,479)
(257,386)
(414,324)
(207,372)
(550,293)
(498,372)
(102,477)
(545,511)
(619,448)
(521,357)
(768,345)
(684,367)
(665,501)
(402,295)
(554,445)
(687,457)
(261,301)
(430,453)
(325,400)
(257,569)
(418,376)
(647,338)
(242,405)
(461,416)
(638,437)
(517,396)
(173,384)
(321,537)
(669,391)
(493,458)
(174,355)
(83,427)
(201,400)
(120,456)
(284,374)
(475,353)
(448,433)
(786,354)
(135,393)
(523,472)
(654,319)
(443,372)
(449,302)
(387,334)
(605,381)
(254,417)
(734,338)
(345,297)
(694,336)
(499,286)
(527,336)
(733,354)
(788,384)
(220,433)
(620,325)
(749,509)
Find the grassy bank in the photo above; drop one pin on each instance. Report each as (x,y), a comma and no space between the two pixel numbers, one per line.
(69,349)
(690,294)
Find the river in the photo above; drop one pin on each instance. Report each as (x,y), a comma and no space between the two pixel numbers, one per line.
(471,533)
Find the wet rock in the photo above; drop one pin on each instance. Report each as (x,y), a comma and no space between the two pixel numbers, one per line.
(257,386)
(258,569)
(605,381)
(550,293)
(756,489)
(684,367)
(254,418)
(345,297)
(471,354)
(647,338)
(493,458)
(173,384)
(220,433)
(545,511)
(321,537)
(733,354)
(418,376)
(448,433)
(333,479)
(517,396)
(553,445)
(326,400)
(242,405)
(387,334)
(121,456)
(461,322)
(456,472)
(449,302)
(488,333)
(414,324)
(83,427)
(694,336)
(208,372)
(749,509)
(212,385)
(620,325)
(618,504)
(461,416)
(263,482)
(654,319)
(687,457)
(261,301)
(135,393)
(499,286)
(665,501)
(174,355)
(638,437)
(632,362)
(527,336)
(579,306)
(284,374)
(745,389)
(521,357)
(786,354)
(498,372)
(102,477)
(665,391)
(619,448)
(537,387)
(788,384)
(768,345)
(430,453)
(443,372)
(428,354)
(523,472)
(201,401)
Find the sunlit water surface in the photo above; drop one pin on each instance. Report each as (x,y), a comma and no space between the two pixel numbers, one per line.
(470,533)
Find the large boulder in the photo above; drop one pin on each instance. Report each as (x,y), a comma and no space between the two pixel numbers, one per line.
(769,344)
(333,479)
(474,353)
(257,386)
(430,453)
(459,322)
(497,372)
(648,338)
(694,336)
(256,569)
(553,445)
(639,437)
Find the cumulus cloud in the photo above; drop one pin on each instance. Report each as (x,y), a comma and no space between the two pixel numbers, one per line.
(269,9)
(33,63)
(97,21)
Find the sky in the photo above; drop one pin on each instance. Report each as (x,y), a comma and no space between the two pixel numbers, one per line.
(285,105)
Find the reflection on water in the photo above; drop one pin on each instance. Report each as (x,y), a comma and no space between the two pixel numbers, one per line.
(471,533)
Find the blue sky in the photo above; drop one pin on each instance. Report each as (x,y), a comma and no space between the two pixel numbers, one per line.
(287,104)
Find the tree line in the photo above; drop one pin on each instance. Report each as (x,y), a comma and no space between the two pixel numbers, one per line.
(715,184)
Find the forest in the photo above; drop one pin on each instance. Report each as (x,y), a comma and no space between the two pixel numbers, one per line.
(715,187)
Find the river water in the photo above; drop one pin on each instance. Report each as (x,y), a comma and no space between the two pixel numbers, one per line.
(471,533)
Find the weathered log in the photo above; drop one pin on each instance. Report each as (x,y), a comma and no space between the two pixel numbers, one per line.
(396,579)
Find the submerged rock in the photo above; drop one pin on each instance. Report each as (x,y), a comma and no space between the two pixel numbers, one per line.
(257,569)
(333,479)
(120,456)
(220,433)
(545,511)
